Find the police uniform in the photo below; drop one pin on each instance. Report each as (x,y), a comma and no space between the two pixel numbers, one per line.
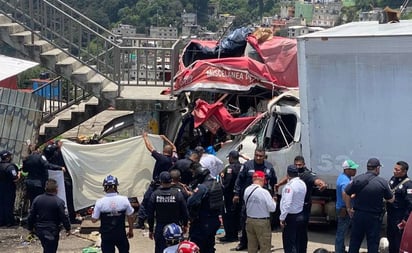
(166,205)
(231,215)
(46,214)
(370,190)
(398,210)
(37,166)
(292,213)
(183,166)
(142,213)
(8,175)
(204,225)
(309,178)
(244,180)
(163,163)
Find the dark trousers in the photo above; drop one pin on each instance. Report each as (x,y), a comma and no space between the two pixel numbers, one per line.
(49,239)
(365,223)
(160,242)
(243,218)
(7,200)
(33,192)
(394,234)
(141,215)
(68,187)
(231,219)
(112,240)
(304,232)
(202,232)
(292,235)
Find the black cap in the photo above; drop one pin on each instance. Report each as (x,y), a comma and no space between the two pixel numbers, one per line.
(165,177)
(234,154)
(4,154)
(292,170)
(373,162)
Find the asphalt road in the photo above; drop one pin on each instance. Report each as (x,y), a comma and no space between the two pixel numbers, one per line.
(12,241)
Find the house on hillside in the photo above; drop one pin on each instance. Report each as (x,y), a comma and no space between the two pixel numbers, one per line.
(9,69)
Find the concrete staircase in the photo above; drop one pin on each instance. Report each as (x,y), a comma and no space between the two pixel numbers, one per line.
(32,47)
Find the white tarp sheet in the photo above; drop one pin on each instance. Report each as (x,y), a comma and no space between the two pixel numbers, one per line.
(128,160)
(59,177)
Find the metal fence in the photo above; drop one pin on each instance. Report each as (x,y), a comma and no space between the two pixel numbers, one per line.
(20,117)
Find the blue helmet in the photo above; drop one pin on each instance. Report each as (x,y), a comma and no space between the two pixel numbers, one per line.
(173,233)
(110,180)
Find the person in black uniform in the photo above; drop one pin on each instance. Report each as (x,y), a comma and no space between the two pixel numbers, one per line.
(37,166)
(398,211)
(367,190)
(54,155)
(231,214)
(244,179)
(46,214)
(177,184)
(166,205)
(112,211)
(164,160)
(204,220)
(312,181)
(9,175)
(183,165)
(142,213)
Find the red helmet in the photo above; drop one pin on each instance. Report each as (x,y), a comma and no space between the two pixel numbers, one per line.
(187,247)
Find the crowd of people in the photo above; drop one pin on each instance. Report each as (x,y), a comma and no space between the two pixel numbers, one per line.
(188,196)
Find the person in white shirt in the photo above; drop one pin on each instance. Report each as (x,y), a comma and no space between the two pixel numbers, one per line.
(259,204)
(211,162)
(112,211)
(291,207)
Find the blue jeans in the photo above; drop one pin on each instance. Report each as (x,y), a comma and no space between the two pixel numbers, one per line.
(341,230)
(365,223)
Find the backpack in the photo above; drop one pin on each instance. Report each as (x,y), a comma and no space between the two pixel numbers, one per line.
(215,193)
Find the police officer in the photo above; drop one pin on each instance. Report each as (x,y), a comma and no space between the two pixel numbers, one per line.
(9,175)
(244,179)
(112,211)
(183,165)
(398,211)
(166,205)
(291,211)
(231,214)
(54,155)
(311,180)
(368,190)
(164,160)
(204,220)
(37,166)
(47,212)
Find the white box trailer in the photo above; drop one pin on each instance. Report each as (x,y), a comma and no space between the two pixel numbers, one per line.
(355,85)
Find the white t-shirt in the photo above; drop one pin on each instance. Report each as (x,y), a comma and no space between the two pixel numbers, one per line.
(259,202)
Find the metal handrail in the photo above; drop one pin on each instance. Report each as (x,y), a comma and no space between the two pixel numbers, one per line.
(95,46)
(59,94)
